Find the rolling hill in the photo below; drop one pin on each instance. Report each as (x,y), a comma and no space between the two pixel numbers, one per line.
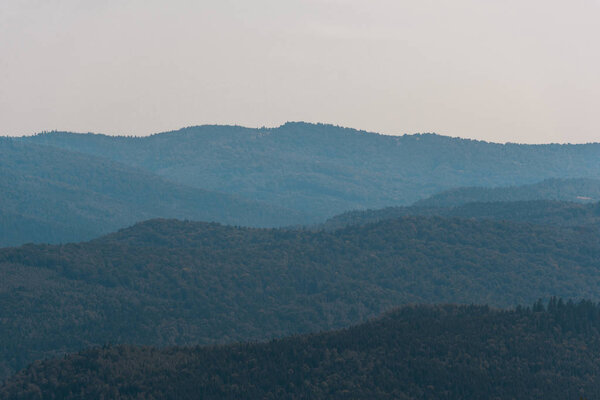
(418,352)
(167,282)
(572,190)
(51,195)
(545,212)
(323,170)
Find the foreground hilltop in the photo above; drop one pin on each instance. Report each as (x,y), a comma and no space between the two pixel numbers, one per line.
(167,282)
(441,352)
(322,170)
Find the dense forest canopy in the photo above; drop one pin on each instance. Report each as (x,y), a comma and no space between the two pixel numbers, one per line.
(504,224)
(417,352)
(167,282)
(323,170)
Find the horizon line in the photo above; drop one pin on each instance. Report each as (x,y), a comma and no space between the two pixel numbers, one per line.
(264,127)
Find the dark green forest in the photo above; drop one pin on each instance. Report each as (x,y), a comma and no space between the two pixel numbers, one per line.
(322,170)
(416,352)
(167,282)
(51,195)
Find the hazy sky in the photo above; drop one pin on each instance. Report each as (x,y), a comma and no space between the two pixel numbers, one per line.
(510,70)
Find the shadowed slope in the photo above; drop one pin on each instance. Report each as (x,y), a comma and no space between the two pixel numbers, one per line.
(168,282)
(441,352)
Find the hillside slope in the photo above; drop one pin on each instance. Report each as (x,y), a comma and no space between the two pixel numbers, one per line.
(572,190)
(545,212)
(166,282)
(441,352)
(53,195)
(323,170)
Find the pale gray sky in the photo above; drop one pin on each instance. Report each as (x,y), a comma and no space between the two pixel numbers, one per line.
(510,70)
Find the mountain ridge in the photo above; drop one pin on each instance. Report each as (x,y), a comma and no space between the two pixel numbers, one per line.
(322,170)
(265,129)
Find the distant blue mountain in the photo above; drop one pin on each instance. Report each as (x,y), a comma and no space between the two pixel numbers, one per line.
(322,170)
(53,195)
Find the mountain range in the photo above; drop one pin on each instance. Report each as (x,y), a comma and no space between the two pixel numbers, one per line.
(60,187)
(323,170)
(214,235)
(168,282)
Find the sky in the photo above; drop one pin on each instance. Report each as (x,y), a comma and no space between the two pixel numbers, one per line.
(522,71)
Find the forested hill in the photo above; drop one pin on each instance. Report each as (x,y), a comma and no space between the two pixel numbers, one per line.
(52,195)
(572,190)
(544,212)
(166,282)
(441,352)
(323,170)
